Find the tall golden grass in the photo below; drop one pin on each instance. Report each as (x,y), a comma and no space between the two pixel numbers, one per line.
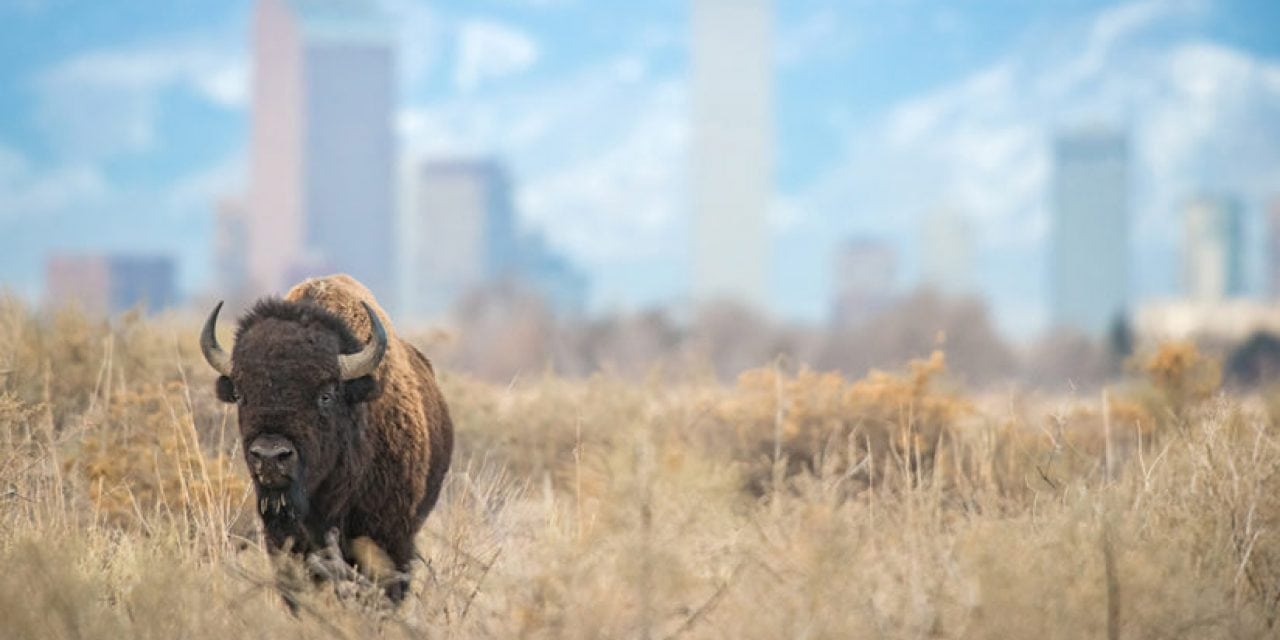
(792,503)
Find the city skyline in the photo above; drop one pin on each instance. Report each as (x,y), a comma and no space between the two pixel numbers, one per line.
(944,102)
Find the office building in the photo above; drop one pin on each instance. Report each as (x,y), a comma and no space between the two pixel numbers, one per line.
(732,150)
(460,233)
(1089,253)
(110,283)
(322,148)
(1213,248)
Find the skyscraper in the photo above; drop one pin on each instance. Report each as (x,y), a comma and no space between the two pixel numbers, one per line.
(1089,261)
(459,235)
(322,147)
(1213,253)
(732,149)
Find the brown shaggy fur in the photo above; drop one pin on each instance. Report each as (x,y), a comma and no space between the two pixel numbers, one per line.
(373,465)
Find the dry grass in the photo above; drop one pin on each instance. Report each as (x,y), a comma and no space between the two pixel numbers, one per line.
(791,504)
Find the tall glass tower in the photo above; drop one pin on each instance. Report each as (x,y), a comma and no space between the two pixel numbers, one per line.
(1089,261)
(322,150)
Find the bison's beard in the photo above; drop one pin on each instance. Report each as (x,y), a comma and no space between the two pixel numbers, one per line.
(284,514)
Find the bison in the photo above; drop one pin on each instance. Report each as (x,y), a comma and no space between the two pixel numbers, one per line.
(344,429)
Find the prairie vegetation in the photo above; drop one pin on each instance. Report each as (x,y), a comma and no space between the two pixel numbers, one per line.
(787,503)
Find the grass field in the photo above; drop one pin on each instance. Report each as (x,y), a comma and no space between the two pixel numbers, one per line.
(787,504)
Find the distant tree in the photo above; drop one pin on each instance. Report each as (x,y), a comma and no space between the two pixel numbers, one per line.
(733,338)
(1063,360)
(629,344)
(1119,342)
(503,330)
(1256,362)
(914,327)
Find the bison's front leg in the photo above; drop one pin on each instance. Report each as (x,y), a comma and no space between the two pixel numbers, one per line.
(397,585)
(387,567)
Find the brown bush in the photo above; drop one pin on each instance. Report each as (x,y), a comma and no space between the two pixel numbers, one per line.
(1182,378)
(819,420)
(142,459)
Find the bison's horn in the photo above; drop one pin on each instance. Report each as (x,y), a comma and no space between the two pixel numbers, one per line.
(360,364)
(213,354)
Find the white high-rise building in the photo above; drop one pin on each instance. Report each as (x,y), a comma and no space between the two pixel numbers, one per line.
(1213,253)
(322,152)
(1089,261)
(732,149)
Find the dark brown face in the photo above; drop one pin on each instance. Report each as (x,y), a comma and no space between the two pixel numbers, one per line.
(297,416)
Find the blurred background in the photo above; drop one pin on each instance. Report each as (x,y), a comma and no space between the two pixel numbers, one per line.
(1036,188)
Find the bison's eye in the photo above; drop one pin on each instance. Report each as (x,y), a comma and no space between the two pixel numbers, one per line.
(325,399)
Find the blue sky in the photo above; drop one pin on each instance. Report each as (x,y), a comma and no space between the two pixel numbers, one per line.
(121,123)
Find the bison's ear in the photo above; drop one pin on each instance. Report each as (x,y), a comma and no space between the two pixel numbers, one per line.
(362,389)
(226,389)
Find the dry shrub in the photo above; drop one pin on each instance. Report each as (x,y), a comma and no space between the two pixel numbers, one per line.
(55,360)
(141,457)
(534,426)
(1090,441)
(813,419)
(911,414)
(1182,378)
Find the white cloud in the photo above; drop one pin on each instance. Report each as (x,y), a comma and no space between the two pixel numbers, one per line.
(26,193)
(623,202)
(490,50)
(123,87)
(199,189)
(1109,34)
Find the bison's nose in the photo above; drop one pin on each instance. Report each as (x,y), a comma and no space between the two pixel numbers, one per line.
(270,449)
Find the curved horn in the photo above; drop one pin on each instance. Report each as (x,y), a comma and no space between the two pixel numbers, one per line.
(213,354)
(360,364)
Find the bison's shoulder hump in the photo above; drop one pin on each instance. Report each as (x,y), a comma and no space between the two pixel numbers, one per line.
(342,295)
